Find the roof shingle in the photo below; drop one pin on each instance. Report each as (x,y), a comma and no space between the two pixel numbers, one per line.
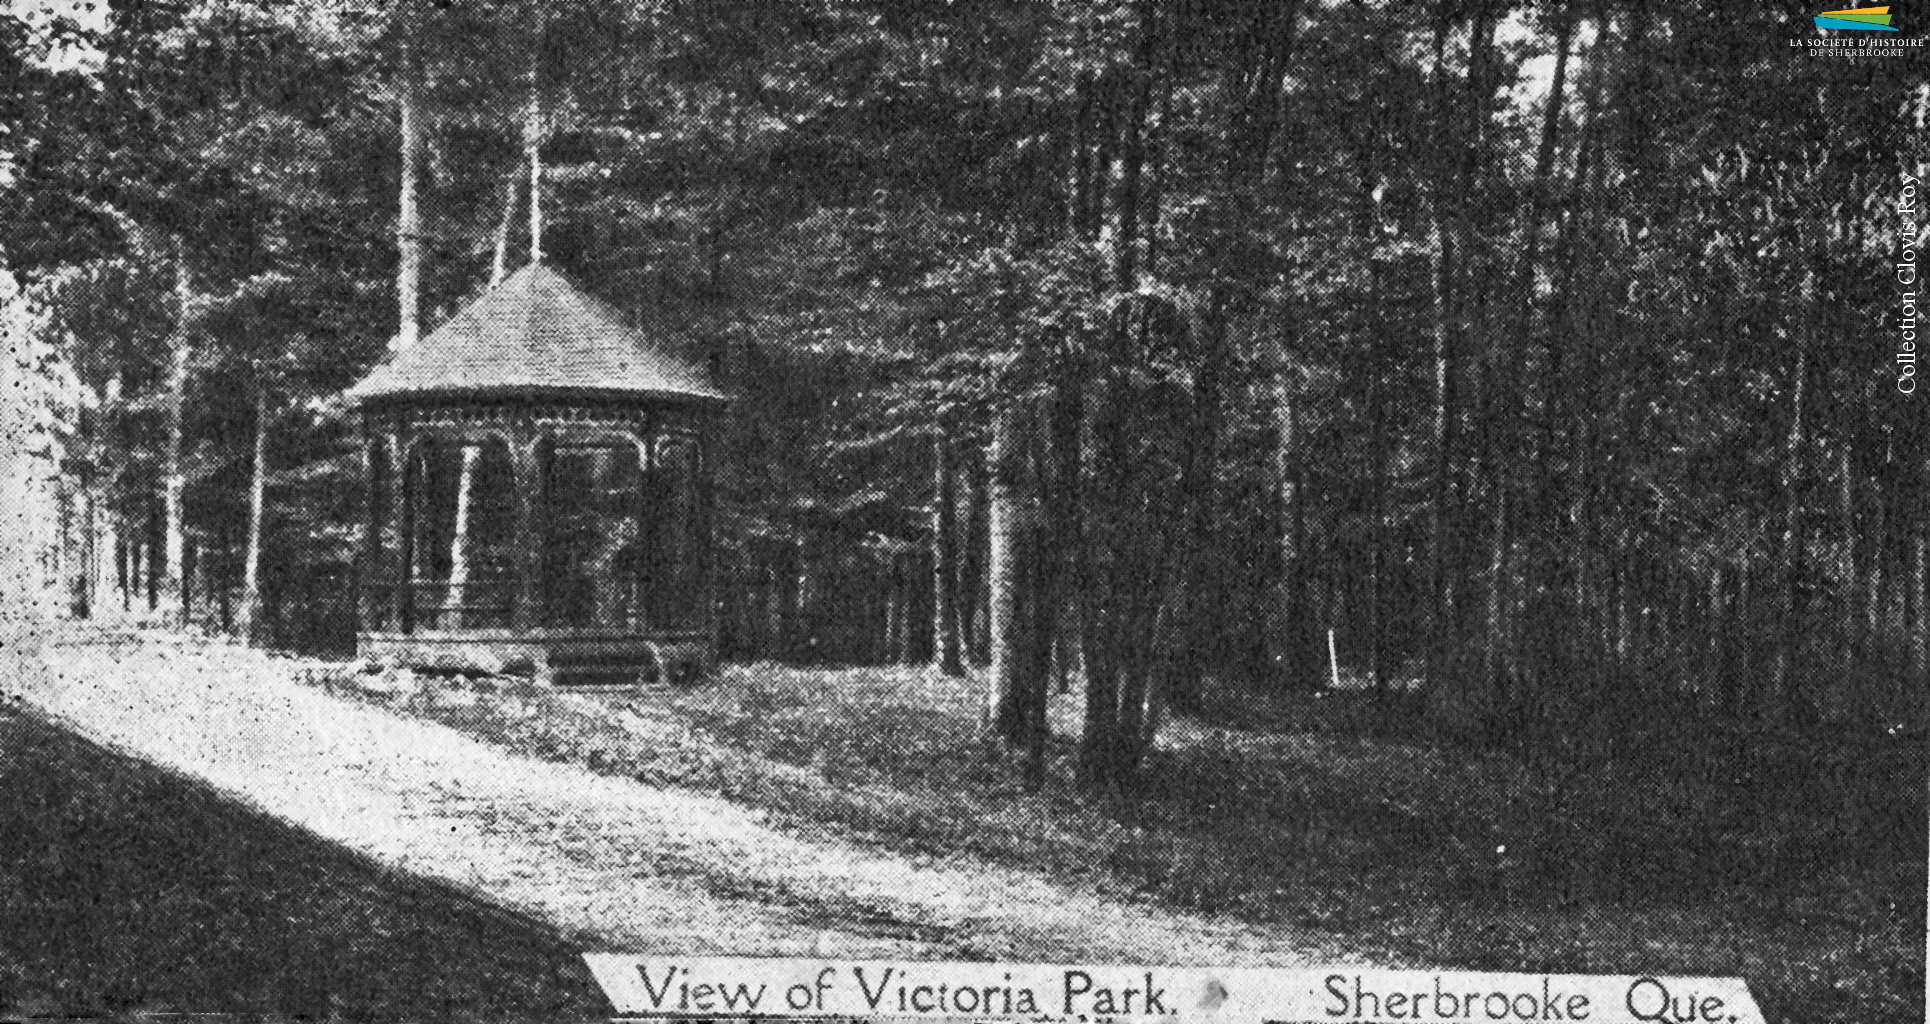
(535,332)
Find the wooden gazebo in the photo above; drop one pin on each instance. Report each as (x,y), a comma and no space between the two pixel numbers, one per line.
(539,495)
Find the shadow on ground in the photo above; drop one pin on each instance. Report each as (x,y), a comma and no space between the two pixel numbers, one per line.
(125,890)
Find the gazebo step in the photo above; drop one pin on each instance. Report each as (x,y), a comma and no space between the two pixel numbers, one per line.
(601,677)
(604,677)
(607,662)
(604,672)
(660,666)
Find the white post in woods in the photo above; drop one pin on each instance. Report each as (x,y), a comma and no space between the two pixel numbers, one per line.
(1333,658)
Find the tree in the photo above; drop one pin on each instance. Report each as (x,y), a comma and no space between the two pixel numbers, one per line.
(947,648)
(1238,324)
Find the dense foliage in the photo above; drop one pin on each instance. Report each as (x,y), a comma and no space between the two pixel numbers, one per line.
(1544,353)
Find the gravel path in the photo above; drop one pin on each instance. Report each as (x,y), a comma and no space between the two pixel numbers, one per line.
(617,864)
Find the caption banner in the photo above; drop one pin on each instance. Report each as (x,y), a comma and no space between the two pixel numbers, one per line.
(714,987)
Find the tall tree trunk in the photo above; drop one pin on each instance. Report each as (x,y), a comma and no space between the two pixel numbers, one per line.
(18,517)
(1896,600)
(1185,666)
(1507,430)
(1919,600)
(1849,569)
(1709,650)
(901,594)
(154,549)
(135,549)
(533,147)
(1126,590)
(1439,612)
(1439,608)
(512,192)
(173,473)
(1041,611)
(408,224)
(974,586)
(1002,541)
(190,566)
(1098,583)
(1379,448)
(1015,685)
(945,589)
(1295,654)
(122,581)
(1058,540)
(1129,616)
(249,618)
(1781,696)
(1489,389)
(1379,445)
(881,645)
(85,546)
(1569,350)
(223,595)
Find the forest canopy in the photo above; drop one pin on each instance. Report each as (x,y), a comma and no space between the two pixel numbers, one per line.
(1538,358)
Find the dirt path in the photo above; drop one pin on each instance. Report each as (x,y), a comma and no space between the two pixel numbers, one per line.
(616,863)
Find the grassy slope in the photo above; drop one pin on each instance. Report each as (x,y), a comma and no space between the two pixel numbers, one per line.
(1796,864)
(125,890)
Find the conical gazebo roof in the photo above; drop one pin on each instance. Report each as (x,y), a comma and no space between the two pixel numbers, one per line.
(536,333)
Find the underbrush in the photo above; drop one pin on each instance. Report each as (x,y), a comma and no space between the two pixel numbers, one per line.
(1668,844)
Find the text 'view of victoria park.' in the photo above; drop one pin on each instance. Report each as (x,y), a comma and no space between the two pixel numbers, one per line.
(1433,485)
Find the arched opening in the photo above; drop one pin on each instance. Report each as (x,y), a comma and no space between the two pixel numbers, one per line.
(383,541)
(460,510)
(591,535)
(673,545)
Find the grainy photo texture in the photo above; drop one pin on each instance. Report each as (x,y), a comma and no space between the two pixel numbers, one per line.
(1439,484)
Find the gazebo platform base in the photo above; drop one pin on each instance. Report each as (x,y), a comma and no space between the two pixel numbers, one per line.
(572,660)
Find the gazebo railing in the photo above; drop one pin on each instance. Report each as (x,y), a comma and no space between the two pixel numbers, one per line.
(474,604)
(477,603)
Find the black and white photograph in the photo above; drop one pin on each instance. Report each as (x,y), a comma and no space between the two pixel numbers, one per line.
(1134,511)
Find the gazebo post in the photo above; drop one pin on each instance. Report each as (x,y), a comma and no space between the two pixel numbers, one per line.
(705,510)
(396,525)
(407,508)
(375,453)
(526,614)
